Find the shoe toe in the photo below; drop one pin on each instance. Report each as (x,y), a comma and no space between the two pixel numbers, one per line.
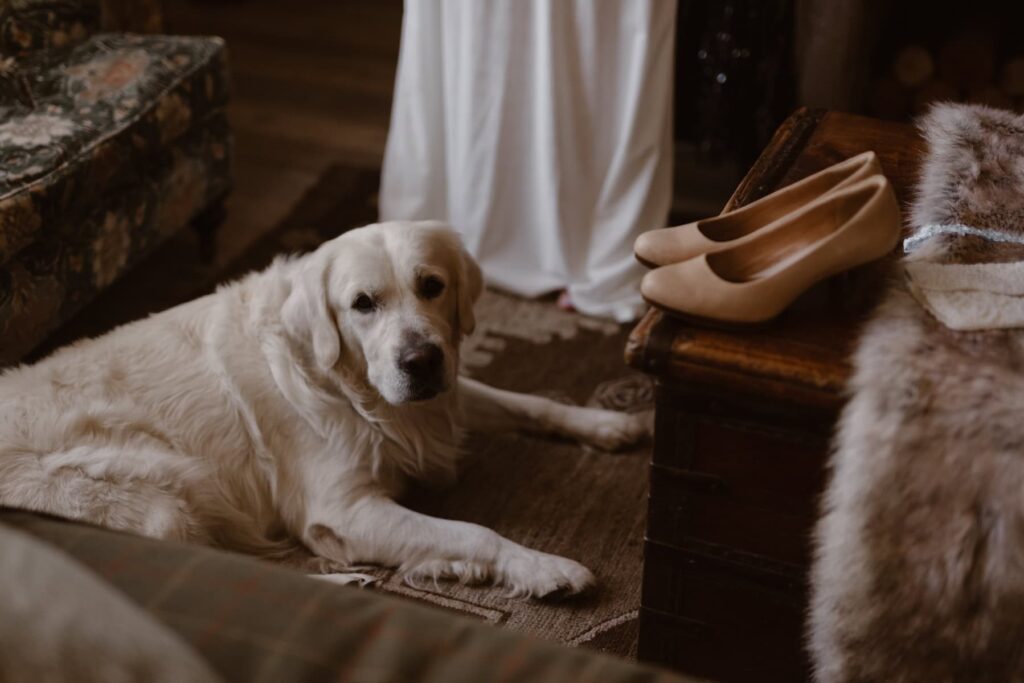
(670,245)
(657,286)
(685,288)
(650,247)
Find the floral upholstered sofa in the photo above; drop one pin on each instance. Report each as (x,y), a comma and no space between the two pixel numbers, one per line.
(109,143)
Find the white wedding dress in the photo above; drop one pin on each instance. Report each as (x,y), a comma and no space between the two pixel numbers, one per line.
(541,130)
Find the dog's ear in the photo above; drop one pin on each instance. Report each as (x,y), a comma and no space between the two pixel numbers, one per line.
(471,285)
(307,315)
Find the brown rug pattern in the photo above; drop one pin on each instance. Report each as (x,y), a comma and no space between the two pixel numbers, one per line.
(553,496)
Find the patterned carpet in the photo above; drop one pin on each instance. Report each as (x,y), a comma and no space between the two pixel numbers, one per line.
(555,496)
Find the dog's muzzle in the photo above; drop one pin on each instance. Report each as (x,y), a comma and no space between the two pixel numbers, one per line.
(423,365)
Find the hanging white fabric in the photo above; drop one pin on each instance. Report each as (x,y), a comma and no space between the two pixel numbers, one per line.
(541,130)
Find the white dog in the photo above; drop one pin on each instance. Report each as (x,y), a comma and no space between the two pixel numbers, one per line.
(280,415)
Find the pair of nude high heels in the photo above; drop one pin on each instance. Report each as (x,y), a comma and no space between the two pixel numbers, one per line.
(746,266)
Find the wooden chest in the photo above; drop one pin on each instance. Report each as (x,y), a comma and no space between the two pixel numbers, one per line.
(743,423)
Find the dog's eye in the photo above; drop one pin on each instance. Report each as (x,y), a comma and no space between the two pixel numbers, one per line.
(431,287)
(363,303)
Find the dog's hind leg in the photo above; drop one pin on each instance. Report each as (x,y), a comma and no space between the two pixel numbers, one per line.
(122,503)
(489,409)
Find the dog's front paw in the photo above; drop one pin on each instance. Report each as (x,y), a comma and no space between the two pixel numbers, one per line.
(431,571)
(612,431)
(529,573)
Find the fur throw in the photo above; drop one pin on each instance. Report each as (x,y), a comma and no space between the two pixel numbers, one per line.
(919,562)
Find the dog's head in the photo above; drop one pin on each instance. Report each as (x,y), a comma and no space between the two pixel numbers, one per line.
(390,301)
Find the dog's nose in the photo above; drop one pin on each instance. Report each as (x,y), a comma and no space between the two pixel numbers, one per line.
(421,359)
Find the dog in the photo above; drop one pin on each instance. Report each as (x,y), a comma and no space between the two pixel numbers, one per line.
(281,416)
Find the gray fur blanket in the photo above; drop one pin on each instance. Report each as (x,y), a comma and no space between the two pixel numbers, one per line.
(919,564)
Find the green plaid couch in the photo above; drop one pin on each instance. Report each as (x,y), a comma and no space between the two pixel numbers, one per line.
(253,621)
(108,144)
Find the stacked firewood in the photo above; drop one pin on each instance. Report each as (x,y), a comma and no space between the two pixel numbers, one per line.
(963,68)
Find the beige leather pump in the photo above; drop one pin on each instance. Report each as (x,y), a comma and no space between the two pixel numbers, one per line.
(754,280)
(673,245)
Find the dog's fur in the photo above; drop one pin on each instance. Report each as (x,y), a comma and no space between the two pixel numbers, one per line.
(275,417)
(919,566)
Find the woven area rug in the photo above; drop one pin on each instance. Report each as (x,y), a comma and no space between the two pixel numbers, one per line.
(554,496)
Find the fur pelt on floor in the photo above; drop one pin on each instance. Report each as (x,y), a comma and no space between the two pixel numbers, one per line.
(919,565)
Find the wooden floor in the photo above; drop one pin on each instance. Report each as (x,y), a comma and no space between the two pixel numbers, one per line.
(311,86)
